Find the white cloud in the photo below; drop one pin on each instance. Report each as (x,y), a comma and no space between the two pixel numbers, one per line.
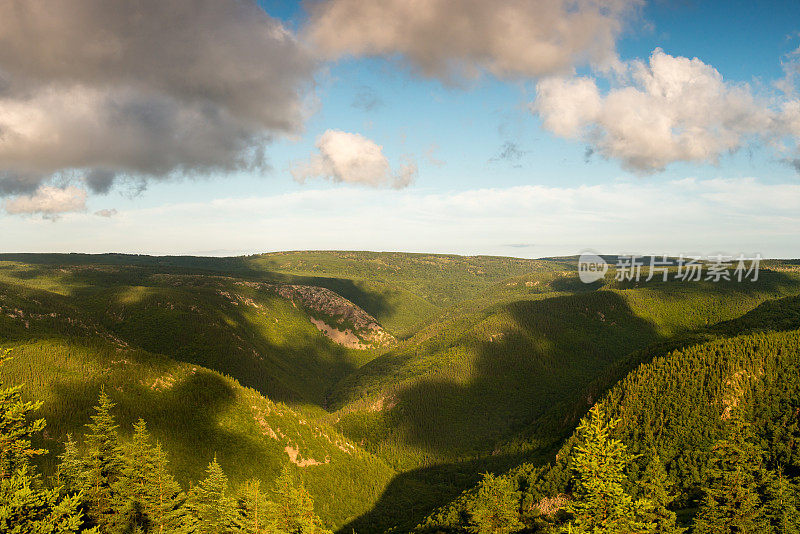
(48,201)
(352,158)
(568,105)
(790,117)
(791,69)
(673,109)
(107,213)
(455,38)
(687,216)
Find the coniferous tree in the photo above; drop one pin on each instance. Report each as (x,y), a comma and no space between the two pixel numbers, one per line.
(258,514)
(732,503)
(26,506)
(654,485)
(600,504)
(102,467)
(781,504)
(209,509)
(16,428)
(70,466)
(148,494)
(495,507)
(294,513)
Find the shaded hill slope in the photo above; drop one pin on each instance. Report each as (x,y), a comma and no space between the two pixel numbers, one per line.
(677,404)
(401,290)
(240,328)
(460,389)
(197,414)
(467,400)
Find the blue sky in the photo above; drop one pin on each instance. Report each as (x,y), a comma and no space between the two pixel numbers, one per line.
(546,196)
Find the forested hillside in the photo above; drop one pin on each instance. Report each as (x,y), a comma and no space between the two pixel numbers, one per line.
(383,385)
(736,395)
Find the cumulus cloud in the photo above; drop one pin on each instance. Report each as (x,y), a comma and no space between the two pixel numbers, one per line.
(107,213)
(456,38)
(109,88)
(790,117)
(672,109)
(352,158)
(48,201)
(791,70)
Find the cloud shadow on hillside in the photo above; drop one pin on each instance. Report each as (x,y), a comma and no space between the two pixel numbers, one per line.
(185,418)
(547,354)
(529,385)
(223,337)
(136,268)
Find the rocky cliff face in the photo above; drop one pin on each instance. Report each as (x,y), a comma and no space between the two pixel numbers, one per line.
(337,317)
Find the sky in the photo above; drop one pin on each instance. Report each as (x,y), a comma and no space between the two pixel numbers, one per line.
(525,128)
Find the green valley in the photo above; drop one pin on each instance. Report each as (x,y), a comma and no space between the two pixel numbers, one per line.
(387,384)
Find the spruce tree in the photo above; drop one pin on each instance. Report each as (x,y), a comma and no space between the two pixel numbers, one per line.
(102,467)
(294,510)
(495,507)
(732,503)
(258,515)
(209,509)
(26,506)
(70,466)
(600,503)
(654,485)
(16,428)
(147,493)
(781,504)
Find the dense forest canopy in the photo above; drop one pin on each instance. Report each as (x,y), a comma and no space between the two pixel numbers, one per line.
(306,392)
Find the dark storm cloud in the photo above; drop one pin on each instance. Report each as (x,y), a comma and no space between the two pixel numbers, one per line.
(147,88)
(13,183)
(100,180)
